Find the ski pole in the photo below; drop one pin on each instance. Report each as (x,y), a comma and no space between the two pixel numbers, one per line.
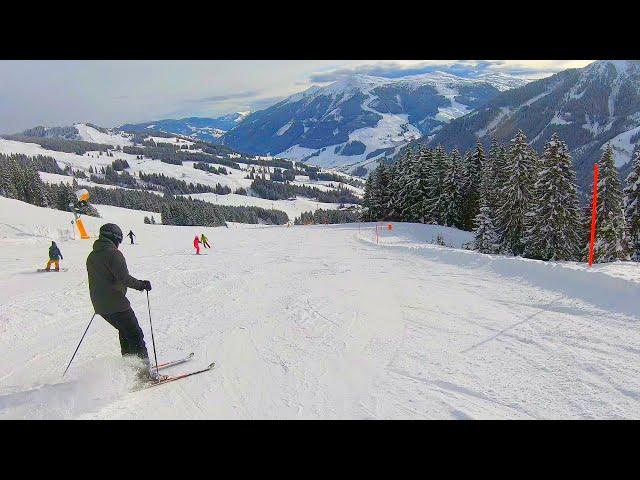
(153,341)
(74,353)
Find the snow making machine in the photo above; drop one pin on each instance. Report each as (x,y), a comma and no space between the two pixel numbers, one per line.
(82,199)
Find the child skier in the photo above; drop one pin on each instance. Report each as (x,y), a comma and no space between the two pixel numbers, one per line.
(54,257)
(196,244)
(205,241)
(131,235)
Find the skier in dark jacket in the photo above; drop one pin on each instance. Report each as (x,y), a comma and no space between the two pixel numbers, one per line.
(108,282)
(54,257)
(131,235)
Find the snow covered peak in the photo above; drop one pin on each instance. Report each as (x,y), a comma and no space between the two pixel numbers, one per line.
(362,83)
(354,83)
(503,81)
(621,67)
(240,116)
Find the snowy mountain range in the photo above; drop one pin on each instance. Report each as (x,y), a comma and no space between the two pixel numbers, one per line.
(207,129)
(361,118)
(587,107)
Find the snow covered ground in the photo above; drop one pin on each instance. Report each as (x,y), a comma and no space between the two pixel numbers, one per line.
(90,134)
(318,322)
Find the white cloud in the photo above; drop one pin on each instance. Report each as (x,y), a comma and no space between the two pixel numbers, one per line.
(115,92)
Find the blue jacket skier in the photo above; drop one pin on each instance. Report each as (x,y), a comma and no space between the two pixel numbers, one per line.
(54,257)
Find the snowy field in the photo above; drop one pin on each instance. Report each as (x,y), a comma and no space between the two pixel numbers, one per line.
(234,180)
(318,322)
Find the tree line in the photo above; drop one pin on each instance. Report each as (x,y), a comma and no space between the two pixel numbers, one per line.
(516,201)
(20,180)
(322,216)
(281,191)
(185,210)
(79,147)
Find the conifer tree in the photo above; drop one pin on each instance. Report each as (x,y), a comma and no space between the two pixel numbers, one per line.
(434,197)
(486,238)
(452,191)
(553,220)
(472,192)
(515,194)
(416,194)
(611,242)
(400,178)
(632,208)
(8,171)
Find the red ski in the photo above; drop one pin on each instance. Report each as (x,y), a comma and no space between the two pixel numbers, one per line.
(176,377)
(174,362)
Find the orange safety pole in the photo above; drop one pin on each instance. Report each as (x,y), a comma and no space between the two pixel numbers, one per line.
(83,232)
(594,210)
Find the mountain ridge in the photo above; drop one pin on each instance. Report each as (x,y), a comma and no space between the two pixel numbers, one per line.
(360,118)
(588,107)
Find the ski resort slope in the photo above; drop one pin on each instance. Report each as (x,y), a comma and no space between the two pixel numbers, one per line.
(317,322)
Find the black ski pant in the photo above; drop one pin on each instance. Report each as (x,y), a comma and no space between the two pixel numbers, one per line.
(206,244)
(130,333)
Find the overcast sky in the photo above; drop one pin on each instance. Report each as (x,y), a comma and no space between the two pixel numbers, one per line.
(110,93)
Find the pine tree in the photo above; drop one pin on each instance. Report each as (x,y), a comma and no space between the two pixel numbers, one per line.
(474,166)
(452,191)
(486,238)
(400,178)
(435,200)
(553,221)
(377,194)
(611,242)
(8,177)
(415,191)
(515,194)
(632,208)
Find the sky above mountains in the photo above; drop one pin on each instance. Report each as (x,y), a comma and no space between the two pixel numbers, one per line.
(111,93)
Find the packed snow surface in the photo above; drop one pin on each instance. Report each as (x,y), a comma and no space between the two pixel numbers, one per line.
(90,134)
(317,322)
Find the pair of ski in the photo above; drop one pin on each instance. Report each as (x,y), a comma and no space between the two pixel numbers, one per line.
(173,378)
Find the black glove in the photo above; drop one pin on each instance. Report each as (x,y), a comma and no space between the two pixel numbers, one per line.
(146,285)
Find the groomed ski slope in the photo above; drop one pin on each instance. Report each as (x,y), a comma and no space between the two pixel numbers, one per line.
(318,322)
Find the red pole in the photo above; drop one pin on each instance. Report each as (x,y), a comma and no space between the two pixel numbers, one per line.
(594,209)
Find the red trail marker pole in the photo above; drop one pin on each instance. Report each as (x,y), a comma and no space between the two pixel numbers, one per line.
(594,210)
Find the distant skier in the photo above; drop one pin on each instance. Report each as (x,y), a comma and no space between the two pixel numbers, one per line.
(131,235)
(196,244)
(205,241)
(54,257)
(108,282)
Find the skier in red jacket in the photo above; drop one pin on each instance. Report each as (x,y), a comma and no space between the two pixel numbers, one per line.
(196,244)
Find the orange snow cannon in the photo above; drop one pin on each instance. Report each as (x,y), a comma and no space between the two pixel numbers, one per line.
(83,197)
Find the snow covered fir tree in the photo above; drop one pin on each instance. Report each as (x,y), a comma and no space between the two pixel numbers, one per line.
(516,201)
(632,208)
(553,219)
(611,235)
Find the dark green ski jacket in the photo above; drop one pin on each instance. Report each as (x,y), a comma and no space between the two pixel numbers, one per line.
(109,278)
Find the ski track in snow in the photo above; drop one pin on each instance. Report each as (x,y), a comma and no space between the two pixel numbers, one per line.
(316,322)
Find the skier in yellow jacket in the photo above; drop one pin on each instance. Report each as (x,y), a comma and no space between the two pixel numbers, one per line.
(205,241)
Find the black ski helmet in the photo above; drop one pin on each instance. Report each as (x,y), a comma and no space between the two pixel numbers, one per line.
(112,232)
